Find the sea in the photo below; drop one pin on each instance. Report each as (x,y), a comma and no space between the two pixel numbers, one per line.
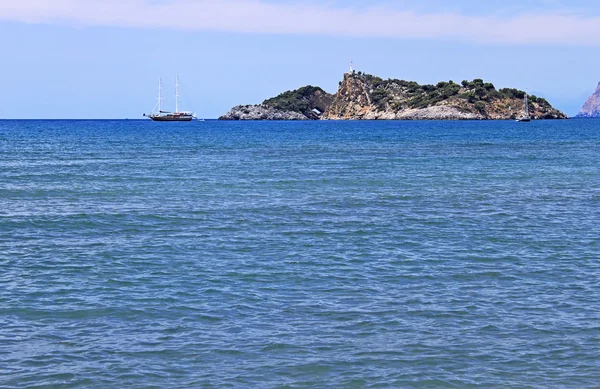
(371,254)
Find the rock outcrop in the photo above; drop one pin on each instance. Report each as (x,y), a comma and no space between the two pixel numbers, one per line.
(362,96)
(591,108)
(260,112)
(366,97)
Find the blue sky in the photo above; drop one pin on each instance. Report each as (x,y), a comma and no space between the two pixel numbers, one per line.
(102,58)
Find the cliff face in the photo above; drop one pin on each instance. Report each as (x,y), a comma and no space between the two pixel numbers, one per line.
(372,98)
(366,97)
(591,108)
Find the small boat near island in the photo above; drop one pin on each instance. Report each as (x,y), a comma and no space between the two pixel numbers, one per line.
(158,115)
(526,117)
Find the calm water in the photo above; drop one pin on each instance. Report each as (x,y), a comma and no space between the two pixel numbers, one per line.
(299,255)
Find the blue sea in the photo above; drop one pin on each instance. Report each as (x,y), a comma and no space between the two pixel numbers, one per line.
(216,254)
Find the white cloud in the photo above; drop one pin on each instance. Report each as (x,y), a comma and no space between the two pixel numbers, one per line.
(259,16)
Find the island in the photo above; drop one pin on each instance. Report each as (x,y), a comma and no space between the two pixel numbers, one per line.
(591,108)
(366,97)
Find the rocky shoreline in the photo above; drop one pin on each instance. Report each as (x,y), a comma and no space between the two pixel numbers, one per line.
(261,112)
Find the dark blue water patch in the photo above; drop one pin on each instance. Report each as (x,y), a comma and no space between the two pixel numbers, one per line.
(359,254)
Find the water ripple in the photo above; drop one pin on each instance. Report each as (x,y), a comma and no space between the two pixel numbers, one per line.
(366,255)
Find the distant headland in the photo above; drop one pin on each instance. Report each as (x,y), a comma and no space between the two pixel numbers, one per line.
(366,97)
(591,108)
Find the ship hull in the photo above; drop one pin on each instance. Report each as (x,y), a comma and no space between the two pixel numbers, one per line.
(171,118)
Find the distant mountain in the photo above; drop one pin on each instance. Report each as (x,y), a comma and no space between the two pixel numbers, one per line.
(366,97)
(591,108)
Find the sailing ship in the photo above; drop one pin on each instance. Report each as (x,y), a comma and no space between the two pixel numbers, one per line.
(525,117)
(168,116)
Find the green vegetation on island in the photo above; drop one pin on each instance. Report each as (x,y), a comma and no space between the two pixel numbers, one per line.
(423,96)
(296,101)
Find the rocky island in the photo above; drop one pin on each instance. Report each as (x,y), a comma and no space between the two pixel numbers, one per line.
(366,97)
(591,108)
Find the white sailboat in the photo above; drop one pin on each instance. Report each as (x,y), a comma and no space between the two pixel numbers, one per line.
(168,116)
(525,117)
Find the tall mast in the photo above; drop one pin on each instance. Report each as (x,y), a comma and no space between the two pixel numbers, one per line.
(159,95)
(526,106)
(177,94)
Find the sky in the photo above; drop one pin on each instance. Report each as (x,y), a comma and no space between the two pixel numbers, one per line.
(102,58)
